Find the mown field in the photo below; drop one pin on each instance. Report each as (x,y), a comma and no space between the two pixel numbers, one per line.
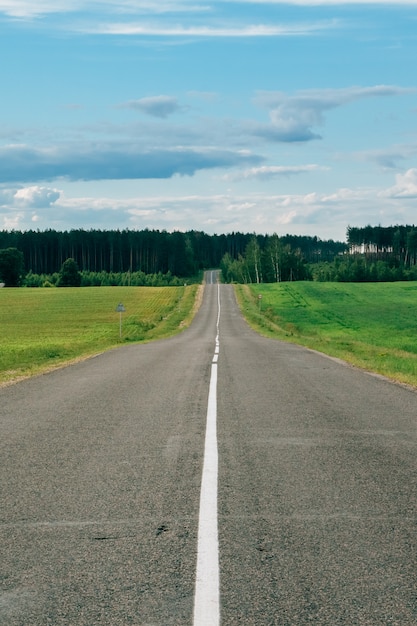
(44,328)
(370,325)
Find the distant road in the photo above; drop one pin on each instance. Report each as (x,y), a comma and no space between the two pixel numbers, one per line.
(212,277)
(101,471)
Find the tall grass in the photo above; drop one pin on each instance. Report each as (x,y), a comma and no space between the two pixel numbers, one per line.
(371,325)
(44,328)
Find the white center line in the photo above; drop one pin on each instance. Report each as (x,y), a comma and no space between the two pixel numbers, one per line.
(207,587)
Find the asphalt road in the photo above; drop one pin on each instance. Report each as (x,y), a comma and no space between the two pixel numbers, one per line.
(100,475)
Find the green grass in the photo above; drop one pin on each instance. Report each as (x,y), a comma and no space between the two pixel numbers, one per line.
(371,325)
(45,328)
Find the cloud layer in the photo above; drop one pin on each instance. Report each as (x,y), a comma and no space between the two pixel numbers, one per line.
(30,9)
(24,163)
(297,213)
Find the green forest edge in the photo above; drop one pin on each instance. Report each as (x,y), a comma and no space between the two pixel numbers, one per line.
(266,323)
(154,258)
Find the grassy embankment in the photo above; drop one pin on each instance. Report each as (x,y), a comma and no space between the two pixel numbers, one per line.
(370,325)
(41,329)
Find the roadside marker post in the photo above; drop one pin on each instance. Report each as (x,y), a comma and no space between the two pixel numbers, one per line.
(120,309)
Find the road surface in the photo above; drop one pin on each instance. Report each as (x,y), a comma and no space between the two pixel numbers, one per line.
(310,471)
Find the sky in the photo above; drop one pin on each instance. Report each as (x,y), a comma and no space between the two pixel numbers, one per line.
(265,116)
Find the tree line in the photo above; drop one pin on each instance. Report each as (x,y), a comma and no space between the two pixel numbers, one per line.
(269,260)
(397,243)
(153,257)
(362,268)
(149,251)
(370,255)
(129,255)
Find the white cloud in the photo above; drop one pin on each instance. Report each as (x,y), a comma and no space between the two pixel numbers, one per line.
(157,106)
(252,30)
(35,8)
(405,187)
(294,117)
(266,172)
(154,19)
(13,221)
(15,205)
(151,6)
(36,197)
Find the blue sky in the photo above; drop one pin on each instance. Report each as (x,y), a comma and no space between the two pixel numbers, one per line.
(262,116)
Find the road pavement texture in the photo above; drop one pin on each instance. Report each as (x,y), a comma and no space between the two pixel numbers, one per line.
(101,468)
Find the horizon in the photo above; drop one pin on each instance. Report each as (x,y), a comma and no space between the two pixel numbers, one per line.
(266,116)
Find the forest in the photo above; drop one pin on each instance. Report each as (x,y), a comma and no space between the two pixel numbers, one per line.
(131,255)
(385,241)
(153,257)
(371,254)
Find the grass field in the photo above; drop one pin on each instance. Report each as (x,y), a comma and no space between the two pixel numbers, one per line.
(371,325)
(44,328)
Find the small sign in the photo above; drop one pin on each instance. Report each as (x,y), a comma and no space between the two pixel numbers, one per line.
(260,296)
(120,308)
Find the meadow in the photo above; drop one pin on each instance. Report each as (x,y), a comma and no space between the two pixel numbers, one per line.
(370,325)
(41,329)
